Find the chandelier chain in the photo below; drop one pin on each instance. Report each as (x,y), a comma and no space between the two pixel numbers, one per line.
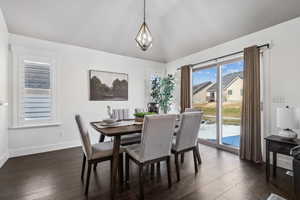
(144,11)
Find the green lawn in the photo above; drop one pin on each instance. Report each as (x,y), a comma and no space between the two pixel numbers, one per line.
(230,109)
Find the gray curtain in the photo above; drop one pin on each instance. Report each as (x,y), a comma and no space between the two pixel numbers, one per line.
(185,89)
(250,148)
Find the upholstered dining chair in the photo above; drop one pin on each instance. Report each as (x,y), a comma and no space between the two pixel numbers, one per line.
(138,110)
(186,138)
(189,110)
(123,114)
(155,146)
(93,154)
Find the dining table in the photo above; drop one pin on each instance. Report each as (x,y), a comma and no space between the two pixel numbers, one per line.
(125,127)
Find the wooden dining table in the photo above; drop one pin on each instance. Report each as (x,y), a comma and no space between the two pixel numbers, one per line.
(116,133)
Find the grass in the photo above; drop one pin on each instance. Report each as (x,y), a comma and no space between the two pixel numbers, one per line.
(229,110)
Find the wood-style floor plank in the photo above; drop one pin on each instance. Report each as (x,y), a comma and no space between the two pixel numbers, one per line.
(222,176)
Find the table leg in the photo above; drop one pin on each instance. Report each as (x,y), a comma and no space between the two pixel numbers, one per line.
(267,161)
(115,163)
(274,163)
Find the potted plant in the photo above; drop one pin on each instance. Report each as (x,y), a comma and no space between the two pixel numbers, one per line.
(139,117)
(162,90)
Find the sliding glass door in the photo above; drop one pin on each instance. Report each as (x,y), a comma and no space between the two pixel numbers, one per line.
(217,91)
(206,101)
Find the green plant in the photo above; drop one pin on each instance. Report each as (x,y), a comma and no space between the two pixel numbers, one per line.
(162,90)
(142,114)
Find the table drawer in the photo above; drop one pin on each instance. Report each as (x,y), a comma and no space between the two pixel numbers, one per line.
(279,148)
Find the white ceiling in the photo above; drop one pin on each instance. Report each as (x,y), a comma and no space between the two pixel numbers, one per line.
(179,27)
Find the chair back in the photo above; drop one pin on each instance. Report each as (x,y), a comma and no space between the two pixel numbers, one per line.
(192,110)
(138,110)
(186,136)
(84,136)
(157,136)
(120,114)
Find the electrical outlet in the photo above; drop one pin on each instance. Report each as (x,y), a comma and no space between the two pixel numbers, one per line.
(278,99)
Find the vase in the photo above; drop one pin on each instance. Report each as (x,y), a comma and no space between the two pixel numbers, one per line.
(153,107)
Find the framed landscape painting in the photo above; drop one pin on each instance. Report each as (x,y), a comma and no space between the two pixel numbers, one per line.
(108,86)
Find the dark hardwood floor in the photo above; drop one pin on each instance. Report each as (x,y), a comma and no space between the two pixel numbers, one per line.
(56,176)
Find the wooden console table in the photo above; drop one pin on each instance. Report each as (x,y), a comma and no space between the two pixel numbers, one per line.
(277,144)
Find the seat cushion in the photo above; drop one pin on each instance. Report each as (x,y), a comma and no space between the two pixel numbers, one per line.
(103,149)
(131,139)
(135,151)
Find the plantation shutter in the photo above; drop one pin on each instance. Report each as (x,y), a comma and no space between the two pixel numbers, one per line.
(36,101)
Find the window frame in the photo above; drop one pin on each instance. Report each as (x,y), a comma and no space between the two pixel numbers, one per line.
(18,55)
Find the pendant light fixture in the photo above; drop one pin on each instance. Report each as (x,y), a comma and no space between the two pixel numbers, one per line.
(144,37)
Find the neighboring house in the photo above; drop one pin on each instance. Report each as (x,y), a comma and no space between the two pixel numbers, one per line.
(200,92)
(232,85)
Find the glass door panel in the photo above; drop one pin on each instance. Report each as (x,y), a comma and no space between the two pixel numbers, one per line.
(205,98)
(231,102)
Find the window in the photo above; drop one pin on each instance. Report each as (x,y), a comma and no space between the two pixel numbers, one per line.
(34,89)
(229,92)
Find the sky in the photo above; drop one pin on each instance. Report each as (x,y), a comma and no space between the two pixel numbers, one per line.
(210,74)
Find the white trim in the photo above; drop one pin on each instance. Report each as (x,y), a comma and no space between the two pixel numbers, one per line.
(3,159)
(36,125)
(17,56)
(41,149)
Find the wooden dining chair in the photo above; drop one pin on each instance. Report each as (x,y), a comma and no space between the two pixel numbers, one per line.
(155,147)
(93,154)
(186,139)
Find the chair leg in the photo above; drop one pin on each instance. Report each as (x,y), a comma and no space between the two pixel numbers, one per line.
(177,167)
(141,181)
(158,169)
(152,171)
(83,167)
(121,174)
(127,168)
(88,178)
(169,172)
(101,138)
(198,155)
(182,157)
(195,160)
(95,166)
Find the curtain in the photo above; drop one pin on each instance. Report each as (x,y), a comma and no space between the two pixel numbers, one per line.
(185,89)
(250,147)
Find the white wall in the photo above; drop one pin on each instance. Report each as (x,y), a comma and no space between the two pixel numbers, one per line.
(74,63)
(281,67)
(3,90)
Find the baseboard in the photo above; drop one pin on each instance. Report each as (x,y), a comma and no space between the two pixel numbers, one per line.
(42,149)
(3,159)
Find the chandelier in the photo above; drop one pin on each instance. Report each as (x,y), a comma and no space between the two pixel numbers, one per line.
(144,38)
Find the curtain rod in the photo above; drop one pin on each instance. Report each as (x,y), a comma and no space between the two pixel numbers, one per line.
(231,54)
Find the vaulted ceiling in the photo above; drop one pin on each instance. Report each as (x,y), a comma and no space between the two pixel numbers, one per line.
(179,27)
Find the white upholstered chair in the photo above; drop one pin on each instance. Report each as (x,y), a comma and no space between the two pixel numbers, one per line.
(120,114)
(92,154)
(186,138)
(138,110)
(123,114)
(155,146)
